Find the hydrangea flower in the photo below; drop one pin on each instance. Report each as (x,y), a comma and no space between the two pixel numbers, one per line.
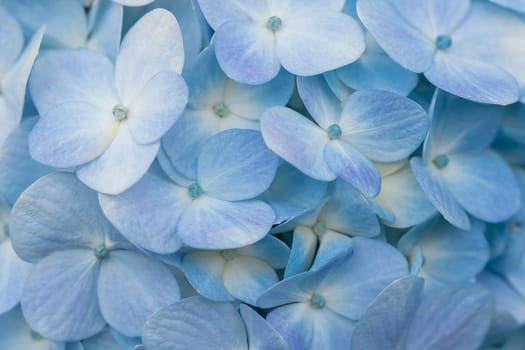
(344,139)
(442,39)
(108,120)
(456,317)
(443,254)
(217,209)
(85,278)
(254,39)
(16,62)
(202,324)
(319,309)
(243,273)
(217,103)
(458,172)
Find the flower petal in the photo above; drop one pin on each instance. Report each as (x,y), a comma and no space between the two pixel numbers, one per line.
(219,13)
(14,272)
(319,100)
(260,334)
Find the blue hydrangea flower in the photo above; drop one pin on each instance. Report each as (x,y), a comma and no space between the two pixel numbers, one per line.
(253,39)
(16,62)
(243,273)
(319,309)
(323,233)
(85,273)
(217,209)
(456,317)
(401,202)
(196,323)
(100,31)
(375,69)
(217,103)
(458,172)
(108,120)
(344,139)
(443,254)
(473,50)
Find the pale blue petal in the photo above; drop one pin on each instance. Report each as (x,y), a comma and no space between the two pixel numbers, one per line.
(353,167)
(103,340)
(387,318)
(219,13)
(318,40)
(453,318)
(269,249)
(402,196)
(106,22)
(246,52)
(131,287)
(246,278)
(137,64)
(204,270)
(14,272)
(195,323)
(506,298)
(60,299)
(297,140)
(147,214)
(78,75)
(210,223)
(17,169)
(176,176)
(120,166)
(56,213)
(337,86)
(390,28)
(383,125)
(304,246)
(439,195)
(306,328)
(71,134)
(331,244)
(261,336)
(160,104)
(513,4)
(11,40)
(236,165)
(319,100)
(477,182)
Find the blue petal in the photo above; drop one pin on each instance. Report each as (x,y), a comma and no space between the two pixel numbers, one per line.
(439,195)
(148,213)
(195,323)
(210,223)
(204,270)
(131,287)
(304,246)
(103,340)
(60,299)
(12,39)
(297,140)
(319,100)
(269,249)
(387,318)
(236,165)
(14,272)
(331,244)
(260,334)
(505,295)
(219,13)
(106,28)
(383,125)
(353,167)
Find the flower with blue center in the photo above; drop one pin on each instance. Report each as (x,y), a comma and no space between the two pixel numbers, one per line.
(86,274)
(107,120)
(254,39)
(197,323)
(319,309)
(242,274)
(217,209)
(455,317)
(343,141)
(217,103)
(458,171)
(16,62)
(443,254)
(471,49)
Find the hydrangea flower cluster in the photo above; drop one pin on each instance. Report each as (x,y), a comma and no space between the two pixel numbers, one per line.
(262,174)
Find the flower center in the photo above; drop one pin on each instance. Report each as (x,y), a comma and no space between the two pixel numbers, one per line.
(100,252)
(319,228)
(221,109)
(274,23)
(195,190)
(229,254)
(120,112)
(441,161)
(334,132)
(443,42)
(318,301)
